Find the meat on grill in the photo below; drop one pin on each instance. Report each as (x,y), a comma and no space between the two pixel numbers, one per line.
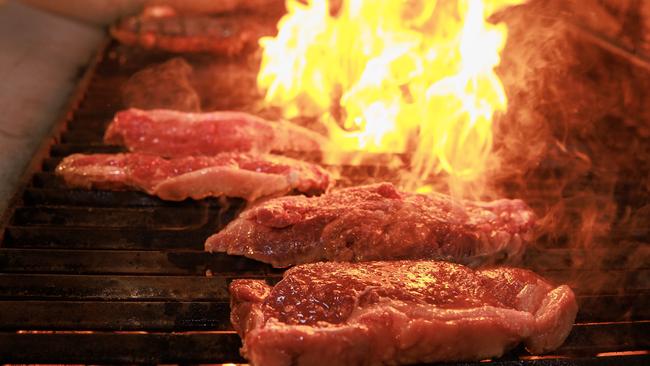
(171,133)
(163,28)
(164,85)
(377,222)
(222,6)
(400,312)
(229,174)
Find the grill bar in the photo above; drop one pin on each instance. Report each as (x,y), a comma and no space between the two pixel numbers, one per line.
(62,150)
(74,197)
(121,348)
(214,315)
(82,136)
(87,261)
(173,219)
(216,346)
(115,287)
(147,238)
(99,315)
(93,287)
(177,262)
(111,238)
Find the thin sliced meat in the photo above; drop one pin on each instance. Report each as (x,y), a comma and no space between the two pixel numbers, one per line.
(171,133)
(229,174)
(401,312)
(377,222)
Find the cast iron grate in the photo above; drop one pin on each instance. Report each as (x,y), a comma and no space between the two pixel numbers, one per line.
(120,277)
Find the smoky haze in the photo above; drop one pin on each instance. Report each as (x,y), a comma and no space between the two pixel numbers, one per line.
(575,145)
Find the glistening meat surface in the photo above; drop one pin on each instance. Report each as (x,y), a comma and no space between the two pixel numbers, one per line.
(171,133)
(377,222)
(397,312)
(249,176)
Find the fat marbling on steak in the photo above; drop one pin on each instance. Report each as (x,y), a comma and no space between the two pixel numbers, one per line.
(172,133)
(244,175)
(400,312)
(377,222)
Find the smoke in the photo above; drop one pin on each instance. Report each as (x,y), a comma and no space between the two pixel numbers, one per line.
(574,142)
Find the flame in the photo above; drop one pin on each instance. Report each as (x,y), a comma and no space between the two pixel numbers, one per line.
(393,76)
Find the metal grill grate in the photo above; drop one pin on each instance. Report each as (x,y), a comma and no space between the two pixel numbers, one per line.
(107,277)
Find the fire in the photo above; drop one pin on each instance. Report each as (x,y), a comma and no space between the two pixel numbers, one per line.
(393,76)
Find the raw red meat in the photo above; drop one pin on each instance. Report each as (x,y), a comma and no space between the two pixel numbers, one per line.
(377,222)
(171,133)
(401,312)
(229,174)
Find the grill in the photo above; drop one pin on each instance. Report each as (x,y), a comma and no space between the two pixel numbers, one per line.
(120,277)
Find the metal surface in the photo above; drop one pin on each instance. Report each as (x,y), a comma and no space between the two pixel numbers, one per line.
(120,277)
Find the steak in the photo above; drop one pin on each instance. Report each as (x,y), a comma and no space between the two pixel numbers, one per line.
(400,312)
(163,28)
(171,133)
(164,85)
(377,222)
(261,7)
(229,174)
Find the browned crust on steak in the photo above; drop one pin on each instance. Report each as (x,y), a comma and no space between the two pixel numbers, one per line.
(394,330)
(169,31)
(377,222)
(164,85)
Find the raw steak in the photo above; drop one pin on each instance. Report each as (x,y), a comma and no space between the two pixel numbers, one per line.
(400,312)
(163,28)
(229,174)
(377,222)
(171,133)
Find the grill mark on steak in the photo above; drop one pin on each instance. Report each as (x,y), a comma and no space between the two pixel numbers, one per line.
(377,222)
(244,175)
(397,312)
(172,133)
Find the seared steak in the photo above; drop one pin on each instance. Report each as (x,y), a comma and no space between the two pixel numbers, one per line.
(171,133)
(400,312)
(229,174)
(376,222)
(163,28)
(164,85)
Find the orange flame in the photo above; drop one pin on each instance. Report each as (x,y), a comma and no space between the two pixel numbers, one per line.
(393,76)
